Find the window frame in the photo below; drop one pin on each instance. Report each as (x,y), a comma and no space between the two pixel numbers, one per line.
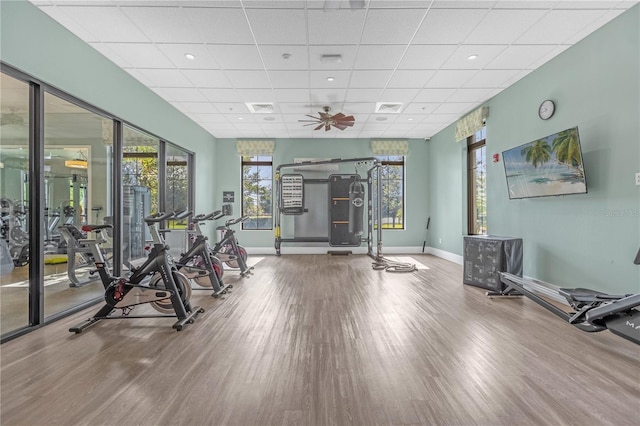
(258,163)
(474,144)
(384,161)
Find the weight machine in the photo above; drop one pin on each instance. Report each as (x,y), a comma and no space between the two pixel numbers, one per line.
(346,201)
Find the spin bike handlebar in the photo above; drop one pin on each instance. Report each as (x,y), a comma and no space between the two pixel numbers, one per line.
(236,221)
(213,215)
(159,217)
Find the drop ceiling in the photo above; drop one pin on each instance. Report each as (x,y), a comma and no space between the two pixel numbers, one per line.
(279,55)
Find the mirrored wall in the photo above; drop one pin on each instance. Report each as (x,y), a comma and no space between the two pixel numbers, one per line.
(65,164)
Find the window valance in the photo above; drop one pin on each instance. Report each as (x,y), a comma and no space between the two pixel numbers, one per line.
(390,147)
(471,123)
(256,147)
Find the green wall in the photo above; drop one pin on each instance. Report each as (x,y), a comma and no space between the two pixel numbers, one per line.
(36,44)
(228,174)
(585,240)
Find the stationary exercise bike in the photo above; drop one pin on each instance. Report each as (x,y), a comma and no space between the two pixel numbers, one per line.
(228,250)
(593,310)
(198,263)
(168,291)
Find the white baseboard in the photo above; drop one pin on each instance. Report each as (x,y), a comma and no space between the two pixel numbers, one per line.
(451,257)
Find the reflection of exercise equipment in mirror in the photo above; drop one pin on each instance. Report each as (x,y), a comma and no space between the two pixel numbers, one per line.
(13,229)
(167,291)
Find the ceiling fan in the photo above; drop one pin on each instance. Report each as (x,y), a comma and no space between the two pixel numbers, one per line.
(326,120)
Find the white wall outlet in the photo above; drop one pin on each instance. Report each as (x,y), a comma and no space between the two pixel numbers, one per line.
(637,178)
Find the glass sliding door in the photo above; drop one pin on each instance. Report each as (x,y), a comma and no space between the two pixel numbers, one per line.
(14,209)
(78,159)
(140,195)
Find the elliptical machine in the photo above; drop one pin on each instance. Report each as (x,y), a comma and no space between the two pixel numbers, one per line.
(168,291)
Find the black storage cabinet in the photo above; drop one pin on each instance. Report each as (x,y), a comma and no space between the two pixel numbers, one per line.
(486,256)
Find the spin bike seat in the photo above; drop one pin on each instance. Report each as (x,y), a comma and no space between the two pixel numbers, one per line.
(585,295)
(91,228)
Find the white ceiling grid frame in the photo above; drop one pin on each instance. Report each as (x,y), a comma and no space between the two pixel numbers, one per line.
(392,51)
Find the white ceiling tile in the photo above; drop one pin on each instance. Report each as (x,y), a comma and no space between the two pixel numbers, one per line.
(107,24)
(348,54)
(272,55)
(248,79)
(362,95)
(514,78)
(292,95)
(223,25)
(338,27)
(358,108)
(318,79)
(176,54)
(370,79)
(555,51)
(164,77)
(163,24)
(450,78)
(504,26)
(111,55)
(454,108)
(434,95)
(180,94)
(485,54)
(140,55)
(463,4)
(322,96)
(289,79)
(441,118)
(420,57)
(391,26)
(421,107)
(469,95)
(384,56)
(207,78)
(236,56)
(297,109)
(519,56)
(234,109)
(257,95)
(220,95)
(491,78)
(196,107)
(59,14)
(274,26)
(410,78)
(391,95)
(448,26)
(593,26)
(559,25)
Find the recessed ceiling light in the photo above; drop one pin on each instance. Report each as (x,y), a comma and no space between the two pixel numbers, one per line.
(330,78)
(472,57)
(240,118)
(190,56)
(410,119)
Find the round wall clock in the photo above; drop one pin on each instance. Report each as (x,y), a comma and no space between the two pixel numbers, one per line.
(546,109)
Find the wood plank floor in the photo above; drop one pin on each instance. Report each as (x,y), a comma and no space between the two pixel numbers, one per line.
(321,340)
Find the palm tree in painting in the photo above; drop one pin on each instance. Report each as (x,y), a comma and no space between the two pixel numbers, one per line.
(567,149)
(537,153)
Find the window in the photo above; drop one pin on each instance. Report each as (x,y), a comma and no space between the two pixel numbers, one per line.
(392,175)
(477,183)
(257,192)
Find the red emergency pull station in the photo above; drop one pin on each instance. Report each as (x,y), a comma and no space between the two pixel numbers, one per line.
(496,158)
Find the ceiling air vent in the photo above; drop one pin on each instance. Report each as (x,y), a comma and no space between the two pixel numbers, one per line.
(260,107)
(388,107)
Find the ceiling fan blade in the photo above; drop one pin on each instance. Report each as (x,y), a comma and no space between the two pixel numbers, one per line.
(348,118)
(338,116)
(345,123)
(308,121)
(340,126)
(310,124)
(319,127)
